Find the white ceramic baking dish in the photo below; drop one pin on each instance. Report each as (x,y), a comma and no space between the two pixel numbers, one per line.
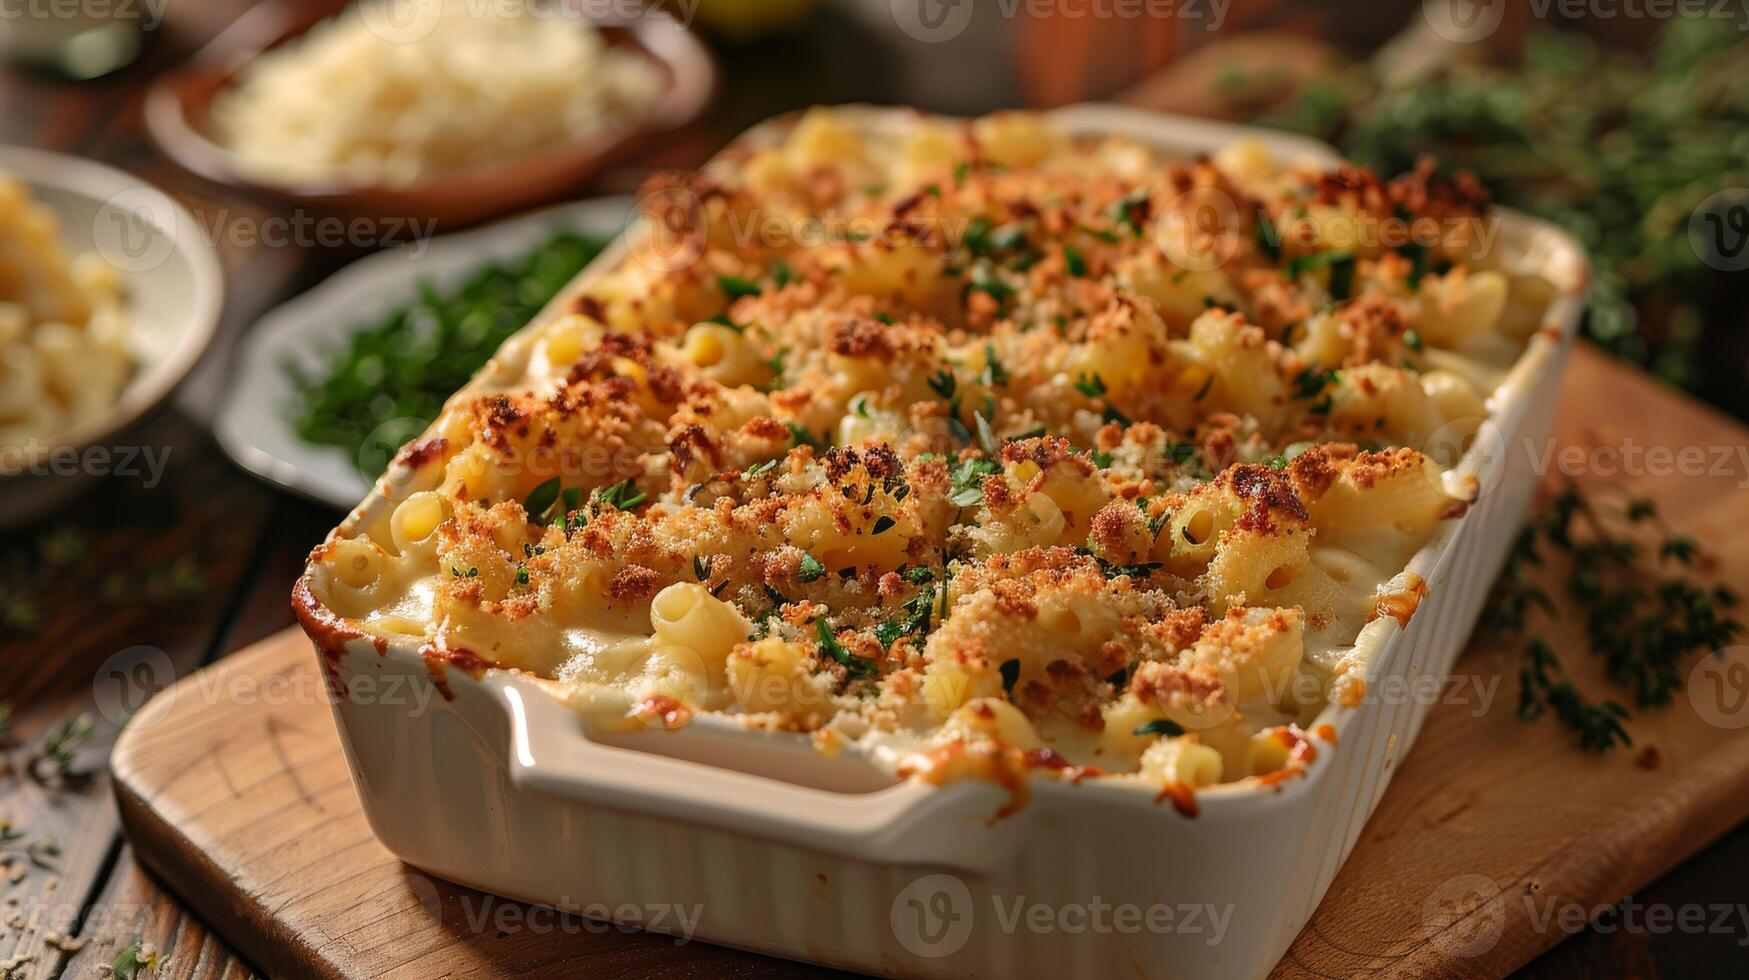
(779,850)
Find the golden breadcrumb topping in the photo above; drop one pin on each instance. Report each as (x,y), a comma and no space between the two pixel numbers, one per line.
(964,440)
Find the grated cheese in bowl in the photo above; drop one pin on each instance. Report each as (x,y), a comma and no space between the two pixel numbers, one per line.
(390,94)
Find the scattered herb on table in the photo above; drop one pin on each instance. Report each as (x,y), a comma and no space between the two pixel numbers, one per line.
(135,962)
(27,570)
(390,379)
(54,757)
(1644,615)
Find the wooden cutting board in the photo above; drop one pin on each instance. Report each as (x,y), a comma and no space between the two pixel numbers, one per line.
(1494,842)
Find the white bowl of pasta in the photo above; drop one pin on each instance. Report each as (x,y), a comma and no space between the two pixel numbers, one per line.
(918,520)
(109,294)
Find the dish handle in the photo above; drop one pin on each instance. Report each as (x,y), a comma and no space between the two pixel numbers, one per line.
(907,822)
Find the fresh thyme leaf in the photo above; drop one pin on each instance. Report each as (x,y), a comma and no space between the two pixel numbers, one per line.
(1268,238)
(810,569)
(1073,263)
(830,646)
(1114,570)
(735,287)
(994,374)
(1311,382)
(1131,210)
(623,495)
(986,440)
(1092,386)
(983,279)
(722,320)
(541,499)
(943,383)
(1159,726)
(800,436)
(58,749)
(967,477)
(132,961)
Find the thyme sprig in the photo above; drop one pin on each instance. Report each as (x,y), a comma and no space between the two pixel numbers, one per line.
(1643,622)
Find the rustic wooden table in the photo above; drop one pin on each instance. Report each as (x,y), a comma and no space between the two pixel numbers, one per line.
(200,564)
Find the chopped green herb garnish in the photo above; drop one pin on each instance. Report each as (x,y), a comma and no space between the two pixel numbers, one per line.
(1131,210)
(1092,386)
(968,480)
(943,383)
(1160,726)
(623,495)
(883,524)
(389,379)
(830,646)
(735,287)
(986,440)
(800,436)
(1311,382)
(994,374)
(1268,238)
(810,569)
(1073,262)
(541,499)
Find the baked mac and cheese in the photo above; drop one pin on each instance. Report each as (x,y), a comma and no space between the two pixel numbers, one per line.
(64,355)
(969,446)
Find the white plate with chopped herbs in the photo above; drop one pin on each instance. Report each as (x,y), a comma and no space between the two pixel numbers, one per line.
(329,384)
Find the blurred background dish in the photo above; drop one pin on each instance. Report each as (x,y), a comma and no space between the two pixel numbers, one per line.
(137,306)
(458,117)
(329,385)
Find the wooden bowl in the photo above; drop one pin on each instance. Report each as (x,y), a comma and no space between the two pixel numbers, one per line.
(178,114)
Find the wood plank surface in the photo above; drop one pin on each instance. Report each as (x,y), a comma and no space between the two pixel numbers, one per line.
(1496,840)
